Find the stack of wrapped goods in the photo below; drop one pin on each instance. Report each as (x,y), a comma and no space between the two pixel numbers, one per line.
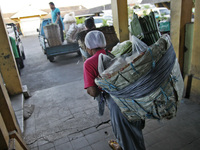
(144,83)
(52,34)
(72,33)
(68,20)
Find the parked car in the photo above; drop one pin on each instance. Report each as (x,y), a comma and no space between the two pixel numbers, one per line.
(98,21)
(161,12)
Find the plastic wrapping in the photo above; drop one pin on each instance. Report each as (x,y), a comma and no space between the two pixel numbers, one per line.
(122,48)
(74,29)
(137,45)
(125,53)
(68,20)
(67,26)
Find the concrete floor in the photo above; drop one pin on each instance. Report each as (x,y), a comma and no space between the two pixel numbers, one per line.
(66,118)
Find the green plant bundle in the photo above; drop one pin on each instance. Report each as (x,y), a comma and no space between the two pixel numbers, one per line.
(80,20)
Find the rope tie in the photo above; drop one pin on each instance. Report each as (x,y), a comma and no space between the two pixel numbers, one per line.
(153,61)
(110,85)
(133,101)
(134,68)
(165,95)
(174,78)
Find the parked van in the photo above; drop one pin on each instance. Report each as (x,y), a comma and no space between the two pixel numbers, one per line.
(161,12)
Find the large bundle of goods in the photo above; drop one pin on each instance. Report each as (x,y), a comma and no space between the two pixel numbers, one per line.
(52,33)
(68,20)
(144,83)
(71,35)
(109,33)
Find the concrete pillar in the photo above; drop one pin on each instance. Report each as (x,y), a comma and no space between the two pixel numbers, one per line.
(195,65)
(4,136)
(6,109)
(120,18)
(181,12)
(8,66)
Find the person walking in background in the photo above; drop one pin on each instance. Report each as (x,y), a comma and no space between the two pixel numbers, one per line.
(56,18)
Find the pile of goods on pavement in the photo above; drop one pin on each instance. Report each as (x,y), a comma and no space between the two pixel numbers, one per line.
(52,33)
(145,82)
(71,28)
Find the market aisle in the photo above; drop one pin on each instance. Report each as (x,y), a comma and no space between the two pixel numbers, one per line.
(66,118)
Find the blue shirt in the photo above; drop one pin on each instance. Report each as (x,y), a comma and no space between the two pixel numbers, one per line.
(54,14)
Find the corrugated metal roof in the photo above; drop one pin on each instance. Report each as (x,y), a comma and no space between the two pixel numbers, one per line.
(134,1)
(66,9)
(93,10)
(154,1)
(8,20)
(6,17)
(28,12)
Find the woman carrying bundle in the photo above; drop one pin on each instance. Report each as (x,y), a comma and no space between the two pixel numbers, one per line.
(128,134)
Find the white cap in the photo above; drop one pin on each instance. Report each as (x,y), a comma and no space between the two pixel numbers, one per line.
(95,39)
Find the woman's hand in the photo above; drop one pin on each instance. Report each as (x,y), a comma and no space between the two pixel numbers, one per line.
(93,91)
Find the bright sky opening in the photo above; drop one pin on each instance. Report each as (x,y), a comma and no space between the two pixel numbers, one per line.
(12,6)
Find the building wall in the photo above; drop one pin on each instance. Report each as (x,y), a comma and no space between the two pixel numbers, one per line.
(29,26)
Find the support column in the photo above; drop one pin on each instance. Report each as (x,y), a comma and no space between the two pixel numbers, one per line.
(8,66)
(6,109)
(120,18)
(181,13)
(195,65)
(4,136)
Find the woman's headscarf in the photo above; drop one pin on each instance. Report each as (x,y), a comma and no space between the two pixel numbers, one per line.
(95,39)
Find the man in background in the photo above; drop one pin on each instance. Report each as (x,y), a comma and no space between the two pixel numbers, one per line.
(56,18)
(18,60)
(89,24)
